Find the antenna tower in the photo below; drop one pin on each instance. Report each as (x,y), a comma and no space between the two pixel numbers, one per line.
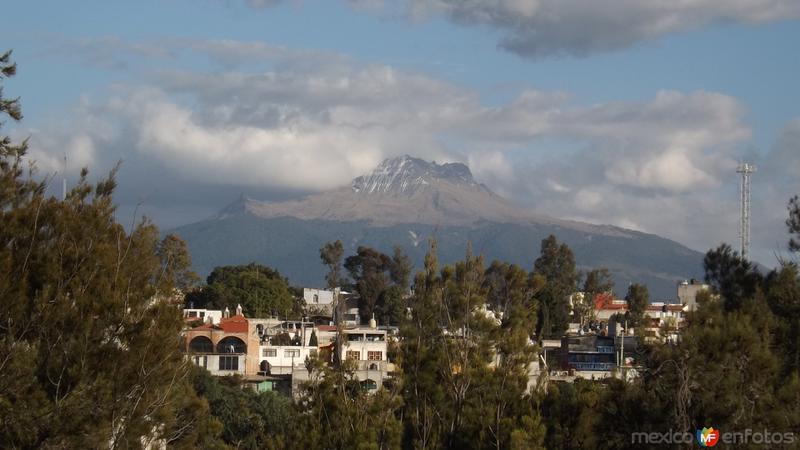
(744,207)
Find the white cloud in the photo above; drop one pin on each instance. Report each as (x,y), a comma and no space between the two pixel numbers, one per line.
(311,121)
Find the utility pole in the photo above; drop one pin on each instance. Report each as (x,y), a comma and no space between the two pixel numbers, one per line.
(744,207)
(622,352)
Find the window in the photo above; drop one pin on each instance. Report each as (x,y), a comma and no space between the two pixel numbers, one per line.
(269,353)
(192,313)
(202,314)
(316,298)
(201,361)
(291,353)
(353,355)
(228,363)
(374,356)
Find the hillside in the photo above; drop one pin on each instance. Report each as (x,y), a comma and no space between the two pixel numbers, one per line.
(406,201)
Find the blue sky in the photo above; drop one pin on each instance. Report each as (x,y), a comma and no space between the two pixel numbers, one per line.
(607,111)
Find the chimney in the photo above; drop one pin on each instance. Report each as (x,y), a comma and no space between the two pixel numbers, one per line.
(372,322)
(227,313)
(238,309)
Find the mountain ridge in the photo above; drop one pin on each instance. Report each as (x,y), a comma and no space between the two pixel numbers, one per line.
(409,190)
(406,201)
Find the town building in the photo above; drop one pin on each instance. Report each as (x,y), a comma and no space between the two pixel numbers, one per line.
(224,347)
(367,348)
(285,346)
(687,293)
(320,302)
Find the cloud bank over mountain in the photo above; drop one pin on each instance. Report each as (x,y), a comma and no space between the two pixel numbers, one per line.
(265,118)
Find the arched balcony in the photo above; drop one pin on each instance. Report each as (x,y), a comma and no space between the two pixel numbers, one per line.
(201,344)
(231,344)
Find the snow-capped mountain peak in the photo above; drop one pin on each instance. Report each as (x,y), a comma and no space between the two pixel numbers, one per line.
(407,175)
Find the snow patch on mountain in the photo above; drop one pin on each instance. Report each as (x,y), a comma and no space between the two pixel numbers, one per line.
(407,175)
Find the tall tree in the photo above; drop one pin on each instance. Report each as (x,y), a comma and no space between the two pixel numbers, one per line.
(90,349)
(731,276)
(368,269)
(177,262)
(331,255)
(782,289)
(556,264)
(400,269)
(423,359)
(638,299)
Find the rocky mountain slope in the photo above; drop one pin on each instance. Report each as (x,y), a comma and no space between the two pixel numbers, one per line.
(405,201)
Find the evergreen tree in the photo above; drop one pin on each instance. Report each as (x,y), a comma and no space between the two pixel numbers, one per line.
(176,262)
(638,299)
(90,348)
(368,269)
(391,306)
(732,277)
(312,341)
(556,264)
(337,413)
(422,360)
(400,269)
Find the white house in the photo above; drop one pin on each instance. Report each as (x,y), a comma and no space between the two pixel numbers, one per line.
(367,347)
(277,356)
(282,359)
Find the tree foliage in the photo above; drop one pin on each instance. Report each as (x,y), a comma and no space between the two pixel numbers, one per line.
(90,351)
(261,291)
(638,299)
(556,263)
(331,255)
(381,282)
(465,371)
